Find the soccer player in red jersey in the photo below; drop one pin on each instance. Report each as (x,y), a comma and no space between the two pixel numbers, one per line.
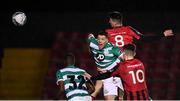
(120,35)
(132,73)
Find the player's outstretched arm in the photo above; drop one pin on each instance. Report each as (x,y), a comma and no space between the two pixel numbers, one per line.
(155,37)
(101,76)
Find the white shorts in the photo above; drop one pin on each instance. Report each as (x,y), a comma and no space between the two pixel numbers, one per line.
(110,86)
(83,98)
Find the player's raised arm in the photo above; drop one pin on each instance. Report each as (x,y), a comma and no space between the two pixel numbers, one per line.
(150,38)
(155,37)
(90,36)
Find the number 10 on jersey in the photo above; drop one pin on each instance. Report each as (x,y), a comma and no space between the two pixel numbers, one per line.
(137,76)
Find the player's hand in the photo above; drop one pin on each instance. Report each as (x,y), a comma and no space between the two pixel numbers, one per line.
(86,75)
(168,32)
(90,86)
(90,35)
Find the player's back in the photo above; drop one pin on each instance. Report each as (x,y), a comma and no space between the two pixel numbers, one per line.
(122,35)
(74,82)
(132,73)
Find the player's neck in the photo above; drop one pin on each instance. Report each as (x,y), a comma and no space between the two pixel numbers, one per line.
(102,46)
(70,64)
(129,58)
(118,25)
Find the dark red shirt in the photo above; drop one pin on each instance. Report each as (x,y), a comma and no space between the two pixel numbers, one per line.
(132,73)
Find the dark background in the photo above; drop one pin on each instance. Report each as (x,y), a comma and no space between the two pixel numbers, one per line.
(47,18)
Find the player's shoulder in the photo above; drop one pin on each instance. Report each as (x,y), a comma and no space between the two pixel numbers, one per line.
(116,47)
(122,64)
(137,60)
(79,69)
(112,46)
(69,69)
(130,27)
(58,72)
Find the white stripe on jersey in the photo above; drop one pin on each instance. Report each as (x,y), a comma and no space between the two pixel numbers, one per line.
(95,59)
(72,70)
(66,86)
(81,98)
(102,65)
(109,48)
(94,46)
(112,65)
(94,52)
(105,60)
(110,55)
(75,92)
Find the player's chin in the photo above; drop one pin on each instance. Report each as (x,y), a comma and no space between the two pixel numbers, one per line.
(101,45)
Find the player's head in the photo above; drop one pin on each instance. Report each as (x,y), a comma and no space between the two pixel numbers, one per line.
(70,59)
(115,18)
(129,51)
(102,38)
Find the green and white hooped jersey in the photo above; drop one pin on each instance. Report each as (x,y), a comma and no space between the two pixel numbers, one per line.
(106,58)
(74,81)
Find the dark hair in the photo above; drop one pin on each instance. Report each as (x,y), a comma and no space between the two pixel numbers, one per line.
(102,33)
(115,15)
(131,47)
(70,59)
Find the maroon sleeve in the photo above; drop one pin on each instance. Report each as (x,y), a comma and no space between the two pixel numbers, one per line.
(146,38)
(136,34)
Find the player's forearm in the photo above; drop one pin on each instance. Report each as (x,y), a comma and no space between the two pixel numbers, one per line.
(151,38)
(101,76)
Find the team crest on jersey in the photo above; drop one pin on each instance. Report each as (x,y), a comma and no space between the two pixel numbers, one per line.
(100,56)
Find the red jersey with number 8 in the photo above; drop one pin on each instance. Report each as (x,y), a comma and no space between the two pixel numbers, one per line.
(122,35)
(132,73)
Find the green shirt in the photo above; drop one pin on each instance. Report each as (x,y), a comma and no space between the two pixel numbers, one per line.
(107,57)
(74,81)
